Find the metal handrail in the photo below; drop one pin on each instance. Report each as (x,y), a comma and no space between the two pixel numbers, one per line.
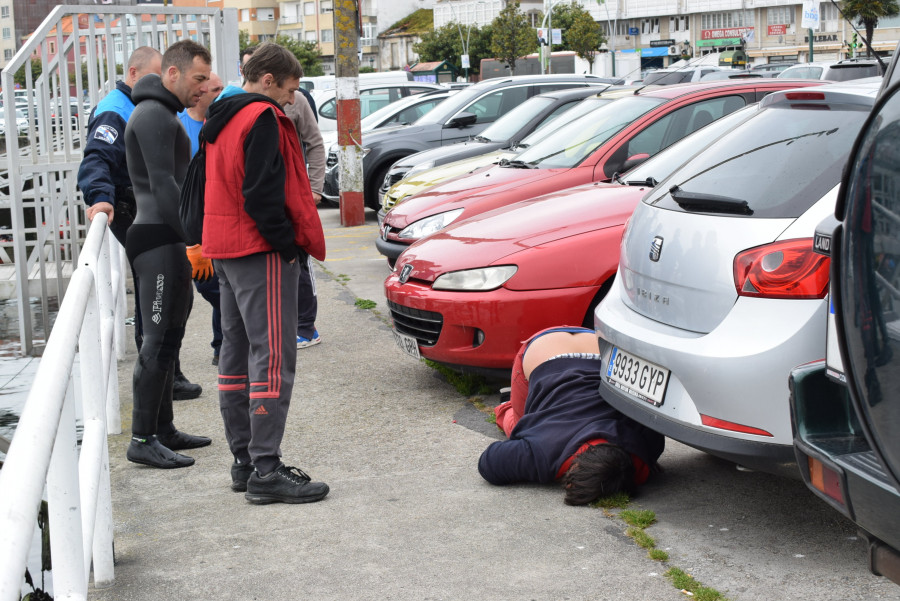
(44,448)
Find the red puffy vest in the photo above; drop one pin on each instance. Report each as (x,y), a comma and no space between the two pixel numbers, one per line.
(228,231)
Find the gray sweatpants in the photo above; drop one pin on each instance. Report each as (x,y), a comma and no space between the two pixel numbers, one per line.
(258,300)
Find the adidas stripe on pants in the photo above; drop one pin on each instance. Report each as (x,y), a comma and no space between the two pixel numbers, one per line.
(258,301)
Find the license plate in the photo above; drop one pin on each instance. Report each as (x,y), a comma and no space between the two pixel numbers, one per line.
(407,344)
(637,377)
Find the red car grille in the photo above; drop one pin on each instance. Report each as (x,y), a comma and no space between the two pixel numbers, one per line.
(424,326)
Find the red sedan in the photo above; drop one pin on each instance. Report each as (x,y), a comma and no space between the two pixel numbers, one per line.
(609,140)
(469,295)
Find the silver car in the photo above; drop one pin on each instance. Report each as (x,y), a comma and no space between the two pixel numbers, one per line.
(718,294)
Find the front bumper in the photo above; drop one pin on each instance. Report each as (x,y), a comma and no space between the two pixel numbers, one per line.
(737,373)
(480,329)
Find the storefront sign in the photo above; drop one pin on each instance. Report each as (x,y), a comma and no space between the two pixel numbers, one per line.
(832,37)
(657,43)
(722,42)
(777,29)
(633,31)
(732,32)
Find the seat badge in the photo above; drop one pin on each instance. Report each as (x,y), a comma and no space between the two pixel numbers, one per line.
(656,248)
(404,273)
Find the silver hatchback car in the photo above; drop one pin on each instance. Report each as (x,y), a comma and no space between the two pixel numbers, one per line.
(718,294)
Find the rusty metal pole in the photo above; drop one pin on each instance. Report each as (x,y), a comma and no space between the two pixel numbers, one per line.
(350,154)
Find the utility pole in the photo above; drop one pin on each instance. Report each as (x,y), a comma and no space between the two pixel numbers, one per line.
(350,154)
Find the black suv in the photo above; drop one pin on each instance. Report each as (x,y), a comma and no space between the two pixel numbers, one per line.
(460,117)
(846,409)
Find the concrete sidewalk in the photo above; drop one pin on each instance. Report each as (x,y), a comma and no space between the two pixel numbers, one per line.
(409,518)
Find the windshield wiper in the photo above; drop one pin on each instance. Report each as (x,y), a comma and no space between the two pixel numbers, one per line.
(516,164)
(710,203)
(651,182)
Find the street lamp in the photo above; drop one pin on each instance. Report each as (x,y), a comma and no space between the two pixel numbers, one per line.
(464,41)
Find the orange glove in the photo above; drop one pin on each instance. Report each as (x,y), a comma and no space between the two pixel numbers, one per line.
(202,267)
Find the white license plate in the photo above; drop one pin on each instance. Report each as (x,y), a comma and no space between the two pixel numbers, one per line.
(407,344)
(637,377)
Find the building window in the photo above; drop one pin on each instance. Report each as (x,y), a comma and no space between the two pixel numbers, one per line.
(649,26)
(245,14)
(735,18)
(829,17)
(51,47)
(310,36)
(679,23)
(7,54)
(309,8)
(326,6)
(368,35)
(622,27)
(4,12)
(6,33)
(780,15)
(265,14)
(327,35)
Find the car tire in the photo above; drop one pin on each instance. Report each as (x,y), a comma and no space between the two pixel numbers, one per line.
(374,185)
(589,315)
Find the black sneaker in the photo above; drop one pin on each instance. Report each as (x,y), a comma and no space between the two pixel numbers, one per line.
(284,485)
(240,473)
(183,390)
(148,451)
(178,440)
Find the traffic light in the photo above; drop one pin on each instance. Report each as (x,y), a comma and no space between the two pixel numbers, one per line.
(853,41)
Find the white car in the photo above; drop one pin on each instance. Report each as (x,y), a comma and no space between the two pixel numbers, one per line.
(719,294)
(371,98)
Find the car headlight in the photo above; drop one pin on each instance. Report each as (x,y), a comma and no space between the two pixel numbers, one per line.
(484,279)
(419,168)
(429,225)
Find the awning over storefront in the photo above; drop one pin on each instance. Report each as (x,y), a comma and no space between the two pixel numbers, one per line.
(648,52)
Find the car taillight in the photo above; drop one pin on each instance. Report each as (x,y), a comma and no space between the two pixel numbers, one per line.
(805,96)
(786,269)
(825,480)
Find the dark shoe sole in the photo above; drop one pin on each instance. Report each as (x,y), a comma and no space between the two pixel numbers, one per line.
(180,444)
(186,396)
(239,486)
(265,499)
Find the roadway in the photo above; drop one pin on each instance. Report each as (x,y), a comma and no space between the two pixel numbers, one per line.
(409,517)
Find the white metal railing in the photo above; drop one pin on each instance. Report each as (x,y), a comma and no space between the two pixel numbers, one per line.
(77,50)
(44,448)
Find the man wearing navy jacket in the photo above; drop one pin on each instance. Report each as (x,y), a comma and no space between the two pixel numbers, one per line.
(561,429)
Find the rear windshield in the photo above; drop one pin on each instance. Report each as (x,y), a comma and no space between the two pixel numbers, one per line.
(575,141)
(667,77)
(847,72)
(779,163)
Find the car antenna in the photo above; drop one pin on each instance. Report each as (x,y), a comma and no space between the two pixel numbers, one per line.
(865,41)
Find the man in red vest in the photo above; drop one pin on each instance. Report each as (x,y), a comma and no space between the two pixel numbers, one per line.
(260,224)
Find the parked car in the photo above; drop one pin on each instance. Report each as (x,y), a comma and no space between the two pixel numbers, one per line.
(21,122)
(771,67)
(371,98)
(402,112)
(844,70)
(506,131)
(613,138)
(719,293)
(420,177)
(844,409)
(667,77)
(464,115)
(736,74)
(470,294)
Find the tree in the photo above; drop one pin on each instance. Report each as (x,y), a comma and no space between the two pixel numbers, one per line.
(564,16)
(584,37)
(243,41)
(444,43)
(867,13)
(512,36)
(306,52)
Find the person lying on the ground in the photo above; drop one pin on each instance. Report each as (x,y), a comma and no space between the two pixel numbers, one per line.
(561,428)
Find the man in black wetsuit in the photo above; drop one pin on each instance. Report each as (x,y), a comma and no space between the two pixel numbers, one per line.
(158,152)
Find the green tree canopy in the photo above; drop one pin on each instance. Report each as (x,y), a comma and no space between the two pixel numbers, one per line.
(512,36)
(306,52)
(585,37)
(444,43)
(867,13)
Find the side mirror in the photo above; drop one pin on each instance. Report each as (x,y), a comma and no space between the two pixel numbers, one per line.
(461,120)
(633,161)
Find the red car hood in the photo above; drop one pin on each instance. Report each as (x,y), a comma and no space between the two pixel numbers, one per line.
(488,238)
(472,189)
